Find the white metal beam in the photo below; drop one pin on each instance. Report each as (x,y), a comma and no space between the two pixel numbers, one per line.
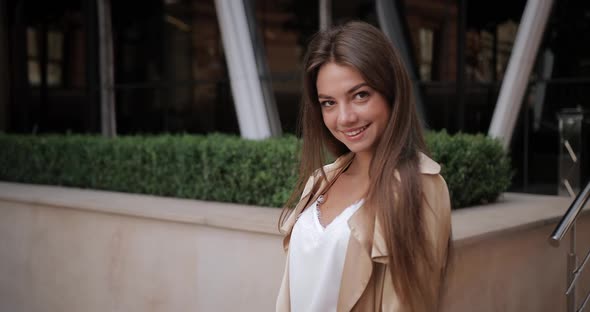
(107,80)
(325,7)
(522,58)
(263,72)
(253,117)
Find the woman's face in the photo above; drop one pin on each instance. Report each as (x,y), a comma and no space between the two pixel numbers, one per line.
(355,114)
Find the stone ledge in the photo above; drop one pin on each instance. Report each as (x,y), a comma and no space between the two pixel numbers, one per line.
(513,212)
(216,214)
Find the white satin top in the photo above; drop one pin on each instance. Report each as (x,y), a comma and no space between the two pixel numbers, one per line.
(316,259)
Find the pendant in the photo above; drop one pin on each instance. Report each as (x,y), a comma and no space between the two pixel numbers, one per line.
(321,199)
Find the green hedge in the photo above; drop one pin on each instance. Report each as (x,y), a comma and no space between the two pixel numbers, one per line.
(221,167)
(475,167)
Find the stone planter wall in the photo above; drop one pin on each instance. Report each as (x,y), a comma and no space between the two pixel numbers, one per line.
(65,249)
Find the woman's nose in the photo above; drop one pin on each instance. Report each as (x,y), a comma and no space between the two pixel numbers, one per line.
(347,115)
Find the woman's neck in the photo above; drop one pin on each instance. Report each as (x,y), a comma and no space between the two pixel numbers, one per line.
(360,165)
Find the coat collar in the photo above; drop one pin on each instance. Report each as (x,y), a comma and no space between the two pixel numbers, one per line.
(427,166)
(307,197)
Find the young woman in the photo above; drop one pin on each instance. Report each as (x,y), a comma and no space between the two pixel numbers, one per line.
(371,230)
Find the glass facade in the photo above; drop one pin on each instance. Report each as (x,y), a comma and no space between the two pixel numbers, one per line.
(171,74)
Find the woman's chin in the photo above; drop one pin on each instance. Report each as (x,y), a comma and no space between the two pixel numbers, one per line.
(357,148)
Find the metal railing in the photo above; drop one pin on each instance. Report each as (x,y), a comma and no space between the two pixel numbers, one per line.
(568,224)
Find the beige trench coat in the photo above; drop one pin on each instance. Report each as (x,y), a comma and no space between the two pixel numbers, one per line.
(366,283)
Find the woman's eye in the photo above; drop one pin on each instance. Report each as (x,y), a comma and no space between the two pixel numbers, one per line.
(326,103)
(361,95)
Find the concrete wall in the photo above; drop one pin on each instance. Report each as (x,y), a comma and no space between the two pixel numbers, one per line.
(64,249)
(516,271)
(60,259)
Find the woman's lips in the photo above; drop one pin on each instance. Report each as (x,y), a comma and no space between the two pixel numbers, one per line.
(355,133)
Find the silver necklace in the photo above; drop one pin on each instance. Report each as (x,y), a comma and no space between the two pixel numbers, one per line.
(321,199)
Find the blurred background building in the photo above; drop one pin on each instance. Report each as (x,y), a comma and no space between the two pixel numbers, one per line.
(201,66)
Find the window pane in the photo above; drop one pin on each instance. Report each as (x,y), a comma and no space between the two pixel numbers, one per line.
(491,29)
(32,42)
(55,41)
(426,40)
(54,77)
(170,67)
(506,33)
(34,73)
(432,26)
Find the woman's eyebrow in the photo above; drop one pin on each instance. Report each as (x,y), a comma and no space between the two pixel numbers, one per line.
(351,90)
(358,86)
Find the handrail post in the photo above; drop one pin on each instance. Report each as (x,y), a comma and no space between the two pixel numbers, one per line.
(572,264)
(568,223)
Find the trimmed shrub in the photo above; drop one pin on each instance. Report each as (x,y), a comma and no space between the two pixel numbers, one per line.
(475,167)
(220,167)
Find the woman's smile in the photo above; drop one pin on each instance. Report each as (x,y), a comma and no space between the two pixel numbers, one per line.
(356,133)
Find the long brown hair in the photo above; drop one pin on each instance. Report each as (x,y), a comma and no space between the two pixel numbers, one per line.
(398,202)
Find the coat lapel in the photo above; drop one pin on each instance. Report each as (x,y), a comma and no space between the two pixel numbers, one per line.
(287,226)
(358,265)
(307,197)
